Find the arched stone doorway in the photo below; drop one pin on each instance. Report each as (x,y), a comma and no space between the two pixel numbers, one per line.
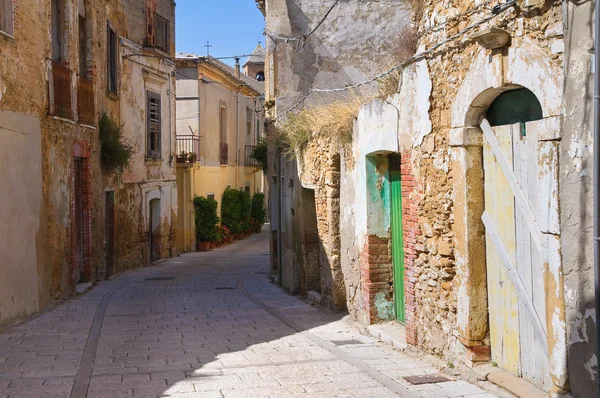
(506,212)
(510,215)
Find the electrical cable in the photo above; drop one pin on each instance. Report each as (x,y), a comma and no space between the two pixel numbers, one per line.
(497,11)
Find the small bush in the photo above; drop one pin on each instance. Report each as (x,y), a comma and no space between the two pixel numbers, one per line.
(259,213)
(245,211)
(236,207)
(115,150)
(207,221)
(230,210)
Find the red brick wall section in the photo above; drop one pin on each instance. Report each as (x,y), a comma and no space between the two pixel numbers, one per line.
(376,273)
(410,194)
(81,150)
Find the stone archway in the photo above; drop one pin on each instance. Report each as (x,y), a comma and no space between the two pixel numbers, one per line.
(486,80)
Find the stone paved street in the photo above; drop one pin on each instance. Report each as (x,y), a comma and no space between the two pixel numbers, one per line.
(203,325)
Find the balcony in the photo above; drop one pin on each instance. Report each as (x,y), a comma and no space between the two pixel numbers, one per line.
(224,154)
(60,91)
(248,159)
(188,148)
(85,102)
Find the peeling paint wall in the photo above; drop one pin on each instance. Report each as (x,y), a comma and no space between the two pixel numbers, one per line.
(576,174)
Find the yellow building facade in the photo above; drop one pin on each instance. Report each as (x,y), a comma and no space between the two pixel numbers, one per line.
(219,122)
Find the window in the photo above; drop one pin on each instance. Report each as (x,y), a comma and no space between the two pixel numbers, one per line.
(210,196)
(161,33)
(112,49)
(257,131)
(248,121)
(260,76)
(55,19)
(6,17)
(223,124)
(247,189)
(153,117)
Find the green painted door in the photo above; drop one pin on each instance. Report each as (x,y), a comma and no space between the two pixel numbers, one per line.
(397,236)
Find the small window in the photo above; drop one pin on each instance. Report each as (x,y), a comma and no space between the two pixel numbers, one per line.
(210,196)
(260,76)
(154,125)
(161,33)
(247,189)
(112,50)
(223,124)
(7,17)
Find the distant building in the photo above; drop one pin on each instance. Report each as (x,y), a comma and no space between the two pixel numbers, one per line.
(220,120)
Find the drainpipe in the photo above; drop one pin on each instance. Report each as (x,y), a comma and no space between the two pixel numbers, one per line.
(597,179)
(237,139)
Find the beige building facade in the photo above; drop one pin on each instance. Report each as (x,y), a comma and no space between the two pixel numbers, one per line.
(220,120)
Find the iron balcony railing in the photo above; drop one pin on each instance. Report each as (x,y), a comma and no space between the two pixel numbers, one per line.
(248,159)
(188,148)
(60,91)
(85,101)
(224,153)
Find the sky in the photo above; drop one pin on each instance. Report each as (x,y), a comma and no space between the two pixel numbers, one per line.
(233,27)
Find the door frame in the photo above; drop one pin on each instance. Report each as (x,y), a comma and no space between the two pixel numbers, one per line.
(397,236)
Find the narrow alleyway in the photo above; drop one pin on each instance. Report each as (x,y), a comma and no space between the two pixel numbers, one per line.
(203,325)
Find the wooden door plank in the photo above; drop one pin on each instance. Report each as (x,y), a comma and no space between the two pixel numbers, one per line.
(494,236)
(513,183)
(502,297)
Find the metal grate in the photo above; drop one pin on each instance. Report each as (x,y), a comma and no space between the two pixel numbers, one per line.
(224,288)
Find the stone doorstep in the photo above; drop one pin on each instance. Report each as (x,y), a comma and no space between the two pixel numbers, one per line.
(521,388)
(82,287)
(391,333)
(314,297)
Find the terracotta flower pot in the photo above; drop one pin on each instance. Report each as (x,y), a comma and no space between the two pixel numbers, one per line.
(203,246)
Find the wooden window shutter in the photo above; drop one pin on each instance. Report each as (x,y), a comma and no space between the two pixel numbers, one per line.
(154,125)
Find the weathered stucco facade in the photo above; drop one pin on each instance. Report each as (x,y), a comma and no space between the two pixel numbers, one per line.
(473,276)
(53,89)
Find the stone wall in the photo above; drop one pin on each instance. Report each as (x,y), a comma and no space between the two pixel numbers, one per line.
(54,144)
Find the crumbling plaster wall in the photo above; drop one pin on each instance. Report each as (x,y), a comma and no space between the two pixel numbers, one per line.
(339,52)
(576,193)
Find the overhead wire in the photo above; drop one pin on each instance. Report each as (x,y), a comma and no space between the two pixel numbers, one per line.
(306,35)
(499,9)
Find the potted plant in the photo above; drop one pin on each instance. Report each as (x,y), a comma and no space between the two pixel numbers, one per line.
(192,157)
(259,213)
(206,222)
(182,157)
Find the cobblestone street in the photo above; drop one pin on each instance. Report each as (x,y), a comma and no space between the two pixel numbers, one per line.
(203,325)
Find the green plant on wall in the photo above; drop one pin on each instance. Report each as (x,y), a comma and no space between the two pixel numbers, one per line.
(259,213)
(115,150)
(260,154)
(207,220)
(231,210)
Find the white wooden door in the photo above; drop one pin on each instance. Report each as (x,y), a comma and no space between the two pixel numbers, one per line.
(519,184)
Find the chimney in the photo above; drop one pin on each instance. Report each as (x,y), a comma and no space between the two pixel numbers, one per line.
(237,67)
